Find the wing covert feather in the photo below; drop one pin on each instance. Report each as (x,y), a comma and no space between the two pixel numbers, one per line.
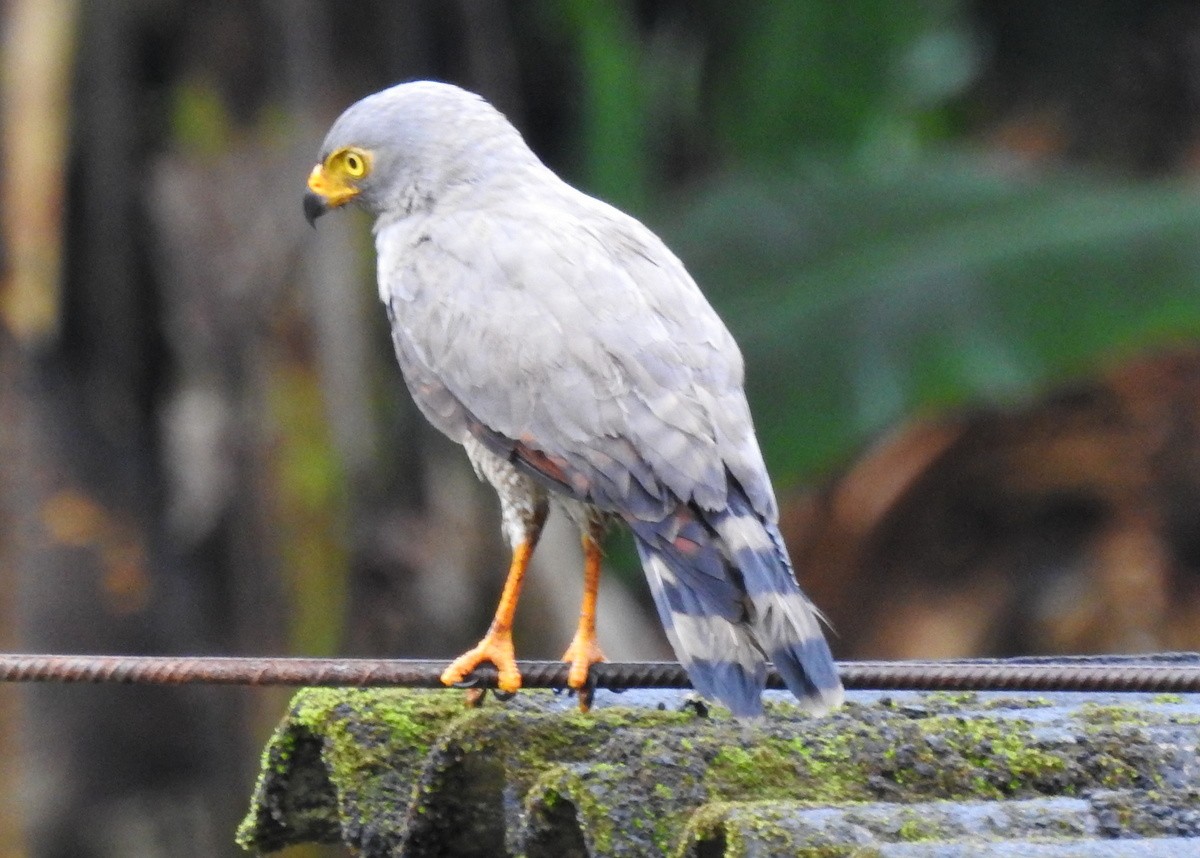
(589,343)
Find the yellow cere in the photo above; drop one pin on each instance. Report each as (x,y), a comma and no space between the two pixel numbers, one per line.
(335,179)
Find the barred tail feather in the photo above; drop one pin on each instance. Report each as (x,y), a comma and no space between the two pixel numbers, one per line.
(718,654)
(727,598)
(785,623)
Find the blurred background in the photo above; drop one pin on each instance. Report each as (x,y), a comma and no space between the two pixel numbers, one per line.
(956,239)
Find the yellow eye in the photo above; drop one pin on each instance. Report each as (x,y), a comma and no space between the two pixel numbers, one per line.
(355,164)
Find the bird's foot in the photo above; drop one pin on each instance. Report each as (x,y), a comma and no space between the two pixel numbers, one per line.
(496,647)
(582,654)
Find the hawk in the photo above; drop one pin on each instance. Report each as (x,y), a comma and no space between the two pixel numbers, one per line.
(576,361)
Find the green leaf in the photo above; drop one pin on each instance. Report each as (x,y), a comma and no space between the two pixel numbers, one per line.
(860,296)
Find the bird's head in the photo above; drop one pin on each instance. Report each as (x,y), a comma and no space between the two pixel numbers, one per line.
(398,150)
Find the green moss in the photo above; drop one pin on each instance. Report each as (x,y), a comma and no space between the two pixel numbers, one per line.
(405,760)
(548,757)
(1006,750)
(666,830)
(1009,703)
(1167,699)
(363,736)
(819,768)
(604,799)
(753,828)
(938,756)
(952,699)
(1110,715)
(1123,754)
(530,742)
(367,729)
(712,822)
(916,828)
(562,784)
(1147,813)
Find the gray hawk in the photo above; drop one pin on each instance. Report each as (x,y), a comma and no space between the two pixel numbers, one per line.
(570,353)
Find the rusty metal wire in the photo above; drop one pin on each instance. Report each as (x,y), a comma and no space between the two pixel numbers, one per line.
(1170,673)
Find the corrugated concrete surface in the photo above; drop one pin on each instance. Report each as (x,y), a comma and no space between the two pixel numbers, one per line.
(902,775)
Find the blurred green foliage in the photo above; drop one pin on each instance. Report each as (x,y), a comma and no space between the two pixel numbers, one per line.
(871,259)
(614,107)
(861,296)
(831,77)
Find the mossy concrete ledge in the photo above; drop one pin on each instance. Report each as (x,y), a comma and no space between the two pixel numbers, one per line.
(415,773)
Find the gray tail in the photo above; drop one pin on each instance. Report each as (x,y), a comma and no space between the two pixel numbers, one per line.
(728,600)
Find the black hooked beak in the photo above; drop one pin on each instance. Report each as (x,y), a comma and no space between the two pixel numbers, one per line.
(314,206)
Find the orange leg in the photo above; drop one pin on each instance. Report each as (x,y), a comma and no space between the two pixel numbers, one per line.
(497,644)
(584,651)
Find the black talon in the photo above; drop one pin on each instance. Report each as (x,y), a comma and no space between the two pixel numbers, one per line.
(696,706)
(475,697)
